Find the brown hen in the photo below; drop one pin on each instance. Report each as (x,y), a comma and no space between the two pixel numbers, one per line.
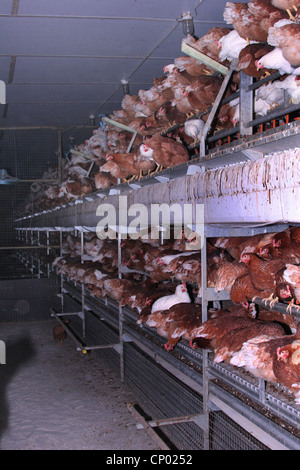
(262,272)
(165,151)
(120,165)
(287,5)
(257,355)
(243,290)
(233,340)
(266,13)
(244,22)
(286,367)
(183,321)
(287,38)
(249,55)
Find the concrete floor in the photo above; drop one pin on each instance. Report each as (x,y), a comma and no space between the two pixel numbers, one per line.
(54,397)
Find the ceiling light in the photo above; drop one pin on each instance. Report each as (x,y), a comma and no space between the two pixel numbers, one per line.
(187,23)
(125,86)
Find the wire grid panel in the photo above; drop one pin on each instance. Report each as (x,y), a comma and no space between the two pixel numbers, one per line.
(29,160)
(225,434)
(163,396)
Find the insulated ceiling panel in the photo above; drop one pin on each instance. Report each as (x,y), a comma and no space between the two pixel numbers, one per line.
(80,37)
(5,7)
(62,61)
(160,9)
(44,70)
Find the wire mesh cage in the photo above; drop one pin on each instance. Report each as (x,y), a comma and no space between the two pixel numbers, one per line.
(30,161)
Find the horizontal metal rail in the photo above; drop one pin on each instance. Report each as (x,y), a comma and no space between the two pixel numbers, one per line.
(31,247)
(278,306)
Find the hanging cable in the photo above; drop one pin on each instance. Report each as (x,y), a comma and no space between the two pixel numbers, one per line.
(102,125)
(140,65)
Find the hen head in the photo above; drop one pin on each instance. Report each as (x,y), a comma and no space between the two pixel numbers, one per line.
(258,64)
(161,111)
(182,287)
(284,290)
(169,68)
(289,353)
(282,354)
(146,151)
(276,242)
(245,258)
(264,251)
(159,261)
(219,43)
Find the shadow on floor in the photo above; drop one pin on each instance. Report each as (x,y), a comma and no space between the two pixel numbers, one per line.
(18,352)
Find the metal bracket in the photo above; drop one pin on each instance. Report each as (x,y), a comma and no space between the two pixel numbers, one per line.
(252,154)
(194,169)
(200,419)
(162,179)
(135,186)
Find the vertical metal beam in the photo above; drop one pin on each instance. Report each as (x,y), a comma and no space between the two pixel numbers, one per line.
(59,156)
(245,104)
(205,366)
(31,243)
(82,286)
(215,106)
(48,252)
(39,259)
(121,319)
(61,276)
(205,410)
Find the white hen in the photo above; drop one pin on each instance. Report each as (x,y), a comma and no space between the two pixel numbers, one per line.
(272,93)
(261,107)
(275,60)
(194,128)
(292,85)
(165,302)
(231,45)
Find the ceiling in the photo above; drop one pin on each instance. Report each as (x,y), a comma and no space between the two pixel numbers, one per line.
(64,60)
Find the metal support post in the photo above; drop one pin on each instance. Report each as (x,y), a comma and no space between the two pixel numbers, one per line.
(32,243)
(59,157)
(39,259)
(205,366)
(48,252)
(82,287)
(121,319)
(61,276)
(246,104)
(215,107)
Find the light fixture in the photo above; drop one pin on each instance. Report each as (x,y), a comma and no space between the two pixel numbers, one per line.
(125,86)
(187,23)
(5,178)
(92,119)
